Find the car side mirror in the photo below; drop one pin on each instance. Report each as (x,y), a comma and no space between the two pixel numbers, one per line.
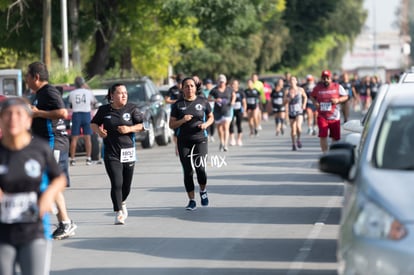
(341,145)
(338,161)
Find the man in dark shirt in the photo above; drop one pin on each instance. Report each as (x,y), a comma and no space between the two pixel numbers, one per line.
(48,123)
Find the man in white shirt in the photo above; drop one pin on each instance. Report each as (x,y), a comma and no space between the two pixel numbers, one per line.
(81,100)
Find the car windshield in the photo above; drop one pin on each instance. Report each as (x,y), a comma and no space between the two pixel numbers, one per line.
(101,99)
(395,142)
(136,92)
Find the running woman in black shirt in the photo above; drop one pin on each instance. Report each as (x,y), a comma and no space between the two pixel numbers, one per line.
(120,121)
(191,115)
(278,106)
(30,179)
(252,101)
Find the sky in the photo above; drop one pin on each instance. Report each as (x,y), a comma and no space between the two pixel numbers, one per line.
(384,14)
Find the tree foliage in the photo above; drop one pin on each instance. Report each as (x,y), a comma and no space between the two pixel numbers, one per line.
(235,37)
(318,28)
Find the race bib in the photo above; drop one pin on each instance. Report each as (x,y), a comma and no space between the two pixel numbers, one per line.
(237,105)
(56,154)
(127,155)
(251,100)
(278,101)
(325,106)
(295,108)
(19,208)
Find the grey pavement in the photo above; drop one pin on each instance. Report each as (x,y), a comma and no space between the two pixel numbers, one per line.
(271,212)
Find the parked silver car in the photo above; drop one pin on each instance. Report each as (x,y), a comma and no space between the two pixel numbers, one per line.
(376,233)
(356,126)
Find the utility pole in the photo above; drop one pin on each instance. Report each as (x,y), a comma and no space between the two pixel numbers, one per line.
(47,31)
(74,27)
(65,52)
(375,37)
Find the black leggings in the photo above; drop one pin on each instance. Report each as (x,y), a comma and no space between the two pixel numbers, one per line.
(120,175)
(238,117)
(193,156)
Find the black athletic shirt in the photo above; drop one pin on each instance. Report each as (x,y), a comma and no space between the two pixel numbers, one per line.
(277,98)
(174,93)
(200,109)
(222,108)
(48,98)
(110,118)
(27,170)
(252,98)
(238,104)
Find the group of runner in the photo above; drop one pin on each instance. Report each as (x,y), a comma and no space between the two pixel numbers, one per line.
(290,101)
(42,161)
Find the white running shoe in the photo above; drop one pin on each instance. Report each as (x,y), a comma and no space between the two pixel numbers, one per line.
(124,210)
(119,218)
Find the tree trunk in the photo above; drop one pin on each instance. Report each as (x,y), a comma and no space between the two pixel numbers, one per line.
(126,62)
(99,61)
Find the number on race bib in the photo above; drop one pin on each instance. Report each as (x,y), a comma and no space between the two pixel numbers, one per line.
(127,155)
(325,106)
(278,101)
(251,100)
(19,208)
(237,105)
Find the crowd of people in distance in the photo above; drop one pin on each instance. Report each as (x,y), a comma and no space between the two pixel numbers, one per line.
(288,100)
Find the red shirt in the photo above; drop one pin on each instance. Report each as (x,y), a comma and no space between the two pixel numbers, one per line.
(323,96)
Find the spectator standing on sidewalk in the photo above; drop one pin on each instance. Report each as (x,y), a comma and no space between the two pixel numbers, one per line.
(327,97)
(192,115)
(81,101)
(120,120)
(48,114)
(30,179)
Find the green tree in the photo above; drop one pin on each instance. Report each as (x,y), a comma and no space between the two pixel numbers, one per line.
(318,30)
(227,28)
(235,37)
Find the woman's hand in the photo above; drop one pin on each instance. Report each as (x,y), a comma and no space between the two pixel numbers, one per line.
(187,118)
(103,133)
(202,126)
(123,129)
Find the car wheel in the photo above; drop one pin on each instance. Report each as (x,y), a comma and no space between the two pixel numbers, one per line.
(164,138)
(149,140)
